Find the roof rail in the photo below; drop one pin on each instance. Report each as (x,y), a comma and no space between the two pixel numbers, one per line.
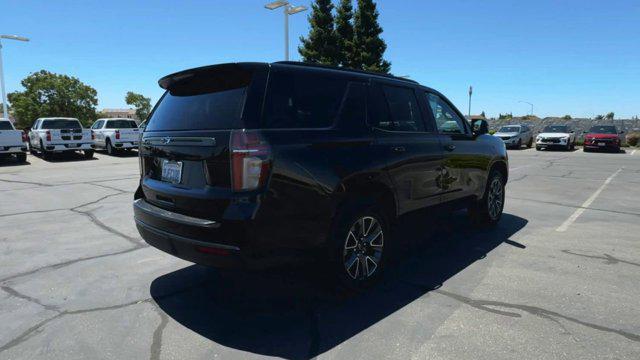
(331,67)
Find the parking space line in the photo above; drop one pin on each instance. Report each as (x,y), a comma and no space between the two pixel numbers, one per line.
(565,225)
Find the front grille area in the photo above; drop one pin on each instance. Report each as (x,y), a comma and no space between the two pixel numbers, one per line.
(505,137)
(551,140)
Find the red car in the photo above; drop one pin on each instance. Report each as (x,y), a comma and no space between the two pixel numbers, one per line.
(602,137)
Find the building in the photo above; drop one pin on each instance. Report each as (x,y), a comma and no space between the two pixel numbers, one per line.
(119,113)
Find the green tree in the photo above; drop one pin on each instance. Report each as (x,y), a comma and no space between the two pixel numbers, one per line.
(609,116)
(599,117)
(567,117)
(344,32)
(369,47)
(321,45)
(49,94)
(141,103)
(483,115)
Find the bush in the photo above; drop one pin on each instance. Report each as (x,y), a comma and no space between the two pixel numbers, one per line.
(633,138)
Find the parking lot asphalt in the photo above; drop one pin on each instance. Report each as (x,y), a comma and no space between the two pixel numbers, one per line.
(559,278)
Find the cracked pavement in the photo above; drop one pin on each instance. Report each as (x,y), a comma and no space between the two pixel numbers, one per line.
(76,280)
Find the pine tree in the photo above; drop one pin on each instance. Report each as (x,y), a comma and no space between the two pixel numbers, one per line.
(344,34)
(369,47)
(321,45)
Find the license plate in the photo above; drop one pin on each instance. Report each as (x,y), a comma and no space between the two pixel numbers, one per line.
(601,144)
(171,171)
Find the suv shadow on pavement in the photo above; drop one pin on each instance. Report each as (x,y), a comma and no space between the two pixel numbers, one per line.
(297,314)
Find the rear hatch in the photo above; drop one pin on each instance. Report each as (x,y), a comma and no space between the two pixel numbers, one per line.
(185,152)
(9,137)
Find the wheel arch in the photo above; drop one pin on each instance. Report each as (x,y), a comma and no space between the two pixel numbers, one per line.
(376,191)
(502,167)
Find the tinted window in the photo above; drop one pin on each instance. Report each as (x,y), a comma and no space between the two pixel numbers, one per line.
(447,120)
(61,124)
(403,109)
(5,125)
(509,129)
(204,101)
(302,100)
(603,130)
(121,124)
(353,113)
(556,129)
(97,124)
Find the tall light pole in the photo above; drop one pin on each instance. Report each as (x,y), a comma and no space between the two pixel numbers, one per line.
(5,112)
(470,93)
(288,10)
(526,102)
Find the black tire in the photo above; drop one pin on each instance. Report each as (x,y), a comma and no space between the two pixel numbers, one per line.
(32,150)
(530,143)
(486,212)
(110,149)
(519,144)
(538,148)
(21,157)
(361,253)
(88,154)
(45,154)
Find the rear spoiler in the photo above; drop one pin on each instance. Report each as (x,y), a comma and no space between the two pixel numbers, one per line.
(171,80)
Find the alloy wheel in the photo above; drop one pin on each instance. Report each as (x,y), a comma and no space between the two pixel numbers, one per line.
(363,247)
(495,198)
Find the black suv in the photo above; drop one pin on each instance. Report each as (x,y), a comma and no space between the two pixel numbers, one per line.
(255,164)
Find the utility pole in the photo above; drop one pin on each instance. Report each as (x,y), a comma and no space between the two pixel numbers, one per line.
(470,93)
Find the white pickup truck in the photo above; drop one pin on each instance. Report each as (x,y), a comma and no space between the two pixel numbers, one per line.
(56,135)
(116,134)
(12,141)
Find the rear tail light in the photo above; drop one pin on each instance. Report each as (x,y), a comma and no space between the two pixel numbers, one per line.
(117,134)
(93,135)
(24,137)
(250,160)
(48,135)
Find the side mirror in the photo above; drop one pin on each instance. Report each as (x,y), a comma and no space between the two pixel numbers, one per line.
(621,132)
(572,131)
(480,127)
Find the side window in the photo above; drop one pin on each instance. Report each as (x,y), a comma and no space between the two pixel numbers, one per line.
(36,125)
(353,113)
(447,120)
(403,108)
(302,100)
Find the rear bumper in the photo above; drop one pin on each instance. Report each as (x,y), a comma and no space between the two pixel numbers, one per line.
(69,147)
(126,145)
(205,242)
(13,149)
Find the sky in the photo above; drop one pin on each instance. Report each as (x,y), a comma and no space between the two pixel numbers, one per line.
(565,56)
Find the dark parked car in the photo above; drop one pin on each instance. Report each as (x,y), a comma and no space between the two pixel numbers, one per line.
(602,137)
(254,164)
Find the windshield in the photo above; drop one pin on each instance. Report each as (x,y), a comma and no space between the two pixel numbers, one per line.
(5,125)
(508,129)
(556,129)
(603,130)
(61,124)
(121,124)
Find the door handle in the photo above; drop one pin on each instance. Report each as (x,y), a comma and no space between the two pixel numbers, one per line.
(399,149)
(449,147)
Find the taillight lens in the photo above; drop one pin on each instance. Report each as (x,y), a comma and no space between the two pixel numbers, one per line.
(24,137)
(48,135)
(250,160)
(93,135)
(117,135)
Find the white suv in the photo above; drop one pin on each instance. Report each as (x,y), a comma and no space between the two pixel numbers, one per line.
(57,135)
(116,134)
(12,141)
(556,136)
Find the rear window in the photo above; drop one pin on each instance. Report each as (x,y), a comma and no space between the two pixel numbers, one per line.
(61,124)
(121,124)
(203,101)
(603,130)
(5,125)
(302,100)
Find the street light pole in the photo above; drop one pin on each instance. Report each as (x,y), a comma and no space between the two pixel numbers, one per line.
(470,93)
(5,111)
(288,10)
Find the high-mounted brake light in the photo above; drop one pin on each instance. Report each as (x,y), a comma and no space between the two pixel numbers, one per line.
(117,134)
(48,135)
(250,160)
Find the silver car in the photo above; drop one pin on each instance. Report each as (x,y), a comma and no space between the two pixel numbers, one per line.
(514,136)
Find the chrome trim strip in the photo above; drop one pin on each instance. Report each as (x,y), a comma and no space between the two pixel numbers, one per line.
(185,239)
(144,206)
(179,141)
